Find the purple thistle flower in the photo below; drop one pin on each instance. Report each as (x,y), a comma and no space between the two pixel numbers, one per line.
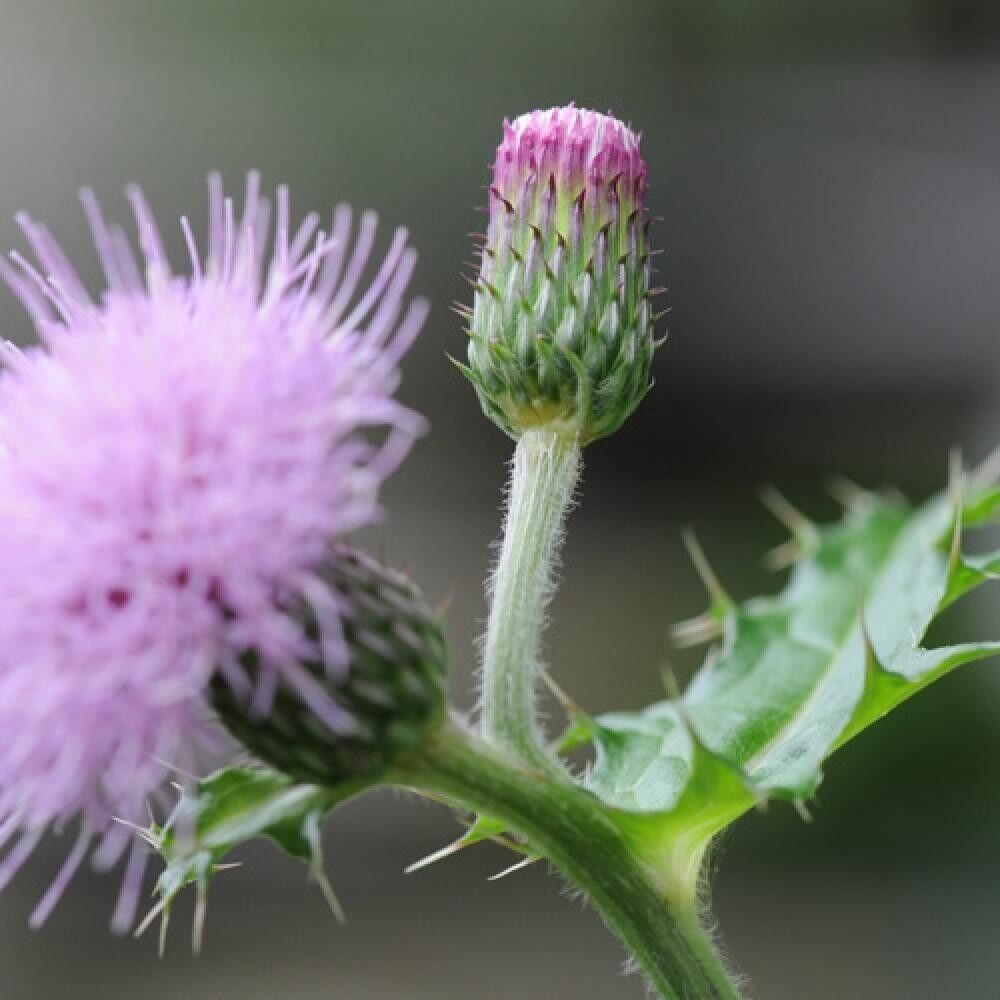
(175,460)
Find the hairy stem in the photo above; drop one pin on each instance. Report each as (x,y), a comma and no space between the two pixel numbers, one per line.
(544,473)
(572,829)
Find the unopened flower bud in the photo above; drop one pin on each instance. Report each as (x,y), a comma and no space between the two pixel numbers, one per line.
(390,684)
(561,331)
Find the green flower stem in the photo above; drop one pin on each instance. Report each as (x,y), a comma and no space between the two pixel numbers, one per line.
(545,470)
(575,832)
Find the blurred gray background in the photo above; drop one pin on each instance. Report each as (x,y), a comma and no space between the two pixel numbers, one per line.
(828,174)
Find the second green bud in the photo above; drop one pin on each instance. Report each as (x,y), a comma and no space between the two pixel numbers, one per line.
(391,687)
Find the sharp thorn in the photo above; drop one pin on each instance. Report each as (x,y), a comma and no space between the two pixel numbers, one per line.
(792,518)
(569,705)
(704,570)
(695,631)
(319,877)
(849,495)
(314,838)
(164,925)
(150,917)
(988,471)
(516,867)
(200,910)
(139,831)
(440,855)
(784,555)
(955,471)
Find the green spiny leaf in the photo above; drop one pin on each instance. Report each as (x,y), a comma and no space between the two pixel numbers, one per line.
(224,811)
(795,676)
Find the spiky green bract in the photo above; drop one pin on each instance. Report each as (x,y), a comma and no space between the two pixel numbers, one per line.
(224,811)
(794,677)
(561,329)
(391,683)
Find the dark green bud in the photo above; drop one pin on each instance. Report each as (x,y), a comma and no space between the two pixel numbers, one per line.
(392,687)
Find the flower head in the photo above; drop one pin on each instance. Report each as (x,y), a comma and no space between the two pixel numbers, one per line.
(175,461)
(561,330)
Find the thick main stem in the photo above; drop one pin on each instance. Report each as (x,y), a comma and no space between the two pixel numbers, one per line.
(544,473)
(569,827)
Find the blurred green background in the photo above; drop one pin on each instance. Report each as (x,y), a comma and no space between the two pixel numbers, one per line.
(828,175)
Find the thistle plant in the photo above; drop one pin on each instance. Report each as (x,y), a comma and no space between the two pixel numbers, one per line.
(182,463)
